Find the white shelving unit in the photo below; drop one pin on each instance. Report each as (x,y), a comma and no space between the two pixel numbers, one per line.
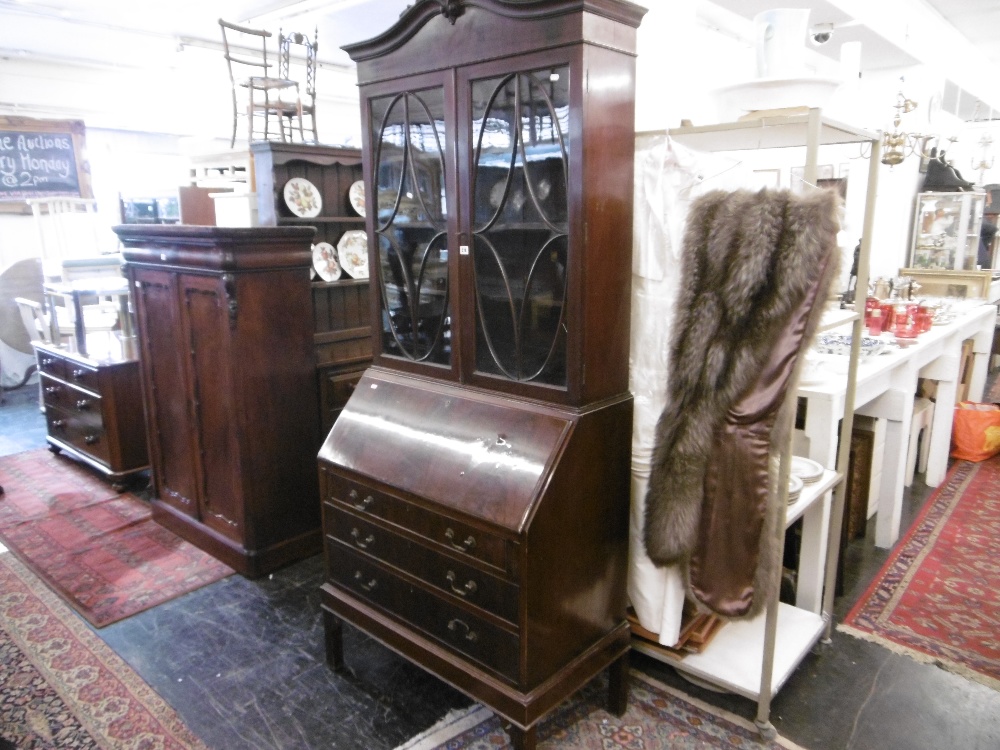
(733,660)
(754,658)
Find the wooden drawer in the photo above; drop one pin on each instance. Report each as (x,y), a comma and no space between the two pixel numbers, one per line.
(440,530)
(84,430)
(491,646)
(455,579)
(57,393)
(51,364)
(82,375)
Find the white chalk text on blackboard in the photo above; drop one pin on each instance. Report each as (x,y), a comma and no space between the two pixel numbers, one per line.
(37,163)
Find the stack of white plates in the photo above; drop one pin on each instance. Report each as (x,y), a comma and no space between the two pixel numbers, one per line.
(806,469)
(795,486)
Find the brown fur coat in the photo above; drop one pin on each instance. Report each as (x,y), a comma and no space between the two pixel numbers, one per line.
(751,261)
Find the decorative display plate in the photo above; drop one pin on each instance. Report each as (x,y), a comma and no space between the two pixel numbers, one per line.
(302,198)
(356,195)
(353,252)
(806,469)
(840,343)
(325,261)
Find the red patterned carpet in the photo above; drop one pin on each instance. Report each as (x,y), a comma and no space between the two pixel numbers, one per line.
(97,548)
(937,598)
(658,718)
(62,687)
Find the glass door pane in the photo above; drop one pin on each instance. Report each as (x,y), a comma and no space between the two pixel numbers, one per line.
(520,141)
(411,225)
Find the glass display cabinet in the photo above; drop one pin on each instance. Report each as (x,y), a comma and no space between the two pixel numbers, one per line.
(476,485)
(946,231)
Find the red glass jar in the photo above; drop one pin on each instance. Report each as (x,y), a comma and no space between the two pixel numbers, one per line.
(875,322)
(925,319)
(904,323)
(888,315)
(872,303)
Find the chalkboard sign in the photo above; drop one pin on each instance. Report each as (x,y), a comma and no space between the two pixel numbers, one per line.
(42,159)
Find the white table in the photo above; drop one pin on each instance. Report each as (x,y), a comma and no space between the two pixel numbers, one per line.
(886,385)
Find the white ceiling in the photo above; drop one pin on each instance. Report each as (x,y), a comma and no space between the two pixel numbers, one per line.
(139,34)
(959,38)
(130,33)
(343,21)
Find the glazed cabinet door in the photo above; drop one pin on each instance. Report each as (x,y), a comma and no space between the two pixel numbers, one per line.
(507,325)
(205,324)
(519,138)
(411,168)
(166,389)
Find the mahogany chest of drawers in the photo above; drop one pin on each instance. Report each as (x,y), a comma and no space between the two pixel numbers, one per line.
(94,411)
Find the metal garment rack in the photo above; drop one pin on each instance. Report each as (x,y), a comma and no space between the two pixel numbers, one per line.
(747,658)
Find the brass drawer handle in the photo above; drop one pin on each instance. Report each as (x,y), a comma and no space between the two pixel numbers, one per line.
(77,374)
(356,536)
(58,423)
(363,505)
(46,361)
(370,586)
(91,439)
(465,546)
(470,634)
(83,404)
(52,389)
(469,588)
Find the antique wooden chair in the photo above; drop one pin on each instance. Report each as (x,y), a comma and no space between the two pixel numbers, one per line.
(256,95)
(70,236)
(305,90)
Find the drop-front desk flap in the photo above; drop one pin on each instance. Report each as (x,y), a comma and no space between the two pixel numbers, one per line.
(471,451)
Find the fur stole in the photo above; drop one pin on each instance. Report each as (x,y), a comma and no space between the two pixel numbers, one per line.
(750,260)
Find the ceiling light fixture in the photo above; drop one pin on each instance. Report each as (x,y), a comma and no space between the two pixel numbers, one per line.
(984,159)
(898,144)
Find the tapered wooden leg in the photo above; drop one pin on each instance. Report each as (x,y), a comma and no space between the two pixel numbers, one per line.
(618,686)
(334,640)
(522,739)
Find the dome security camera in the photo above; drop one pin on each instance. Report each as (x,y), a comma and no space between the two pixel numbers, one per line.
(821,33)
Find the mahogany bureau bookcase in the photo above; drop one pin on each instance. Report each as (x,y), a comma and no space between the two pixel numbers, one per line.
(476,484)
(228,374)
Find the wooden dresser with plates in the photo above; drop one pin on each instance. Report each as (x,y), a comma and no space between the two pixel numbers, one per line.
(225,331)
(93,410)
(476,485)
(342,332)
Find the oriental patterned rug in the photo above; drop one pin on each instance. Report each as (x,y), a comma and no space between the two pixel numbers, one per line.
(658,718)
(62,687)
(937,598)
(98,548)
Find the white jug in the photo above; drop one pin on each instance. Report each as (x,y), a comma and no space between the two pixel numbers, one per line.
(781,42)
